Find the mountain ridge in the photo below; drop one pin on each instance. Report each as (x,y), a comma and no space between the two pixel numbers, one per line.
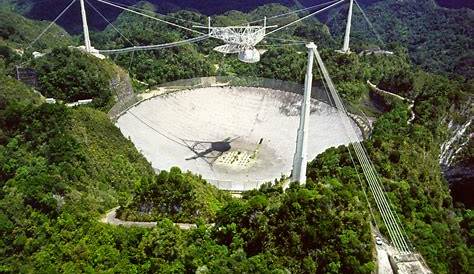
(48,9)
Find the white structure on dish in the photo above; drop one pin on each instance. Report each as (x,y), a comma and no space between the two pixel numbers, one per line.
(239,39)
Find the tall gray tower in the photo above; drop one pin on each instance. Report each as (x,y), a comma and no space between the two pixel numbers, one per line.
(85,27)
(345,46)
(300,159)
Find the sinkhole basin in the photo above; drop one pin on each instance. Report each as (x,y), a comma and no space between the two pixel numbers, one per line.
(235,137)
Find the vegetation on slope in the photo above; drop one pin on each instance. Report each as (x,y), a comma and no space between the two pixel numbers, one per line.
(61,168)
(71,75)
(319,228)
(19,32)
(181,197)
(406,159)
(438,39)
(12,92)
(155,67)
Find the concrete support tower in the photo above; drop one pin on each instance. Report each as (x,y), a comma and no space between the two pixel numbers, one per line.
(345,47)
(85,27)
(300,159)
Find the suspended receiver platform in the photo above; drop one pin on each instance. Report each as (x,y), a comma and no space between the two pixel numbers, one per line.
(239,39)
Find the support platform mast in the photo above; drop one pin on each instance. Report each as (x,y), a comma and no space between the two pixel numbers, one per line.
(87,41)
(345,47)
(300,160)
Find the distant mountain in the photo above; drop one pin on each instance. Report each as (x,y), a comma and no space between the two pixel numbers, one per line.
(438,39)
(16,30)
(456,4)
(49,9)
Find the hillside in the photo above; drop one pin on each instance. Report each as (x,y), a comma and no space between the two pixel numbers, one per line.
(456,4)
(70,75)
(401,169)
(438,39)
(180,196)
(48,9)
(19,32)
(62,168)
(432,34)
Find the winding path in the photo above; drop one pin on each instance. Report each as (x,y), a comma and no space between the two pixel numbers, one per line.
(384,92)
(111,218)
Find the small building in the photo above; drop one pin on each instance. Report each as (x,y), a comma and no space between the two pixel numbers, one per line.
(50,100)
(37,54)
(79,102)
(27,76)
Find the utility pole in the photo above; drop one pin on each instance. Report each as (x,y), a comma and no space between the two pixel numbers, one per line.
(87,41)
(345,47)
(300,159)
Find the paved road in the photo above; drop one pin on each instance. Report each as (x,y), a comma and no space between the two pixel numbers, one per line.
(383,264)
(410,107)
(110,218)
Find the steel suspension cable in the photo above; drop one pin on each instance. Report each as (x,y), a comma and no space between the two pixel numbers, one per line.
(333,104)
(286,40)
(131,60)
(375,186)
(388,216)
(280,45)
(154,47)
(293,12)
(370,23)
(110,23)
(380,199)
(304,17)
(51,24)
(391,205)
(154,12)
(377,195)
(386,212)
(394,231)
(149,16)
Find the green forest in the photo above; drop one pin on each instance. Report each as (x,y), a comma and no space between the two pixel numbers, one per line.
(181,197)
(437,39)
(68,75)
(62,169)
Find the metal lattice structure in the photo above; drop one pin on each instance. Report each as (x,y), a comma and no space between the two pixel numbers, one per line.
(239,39)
